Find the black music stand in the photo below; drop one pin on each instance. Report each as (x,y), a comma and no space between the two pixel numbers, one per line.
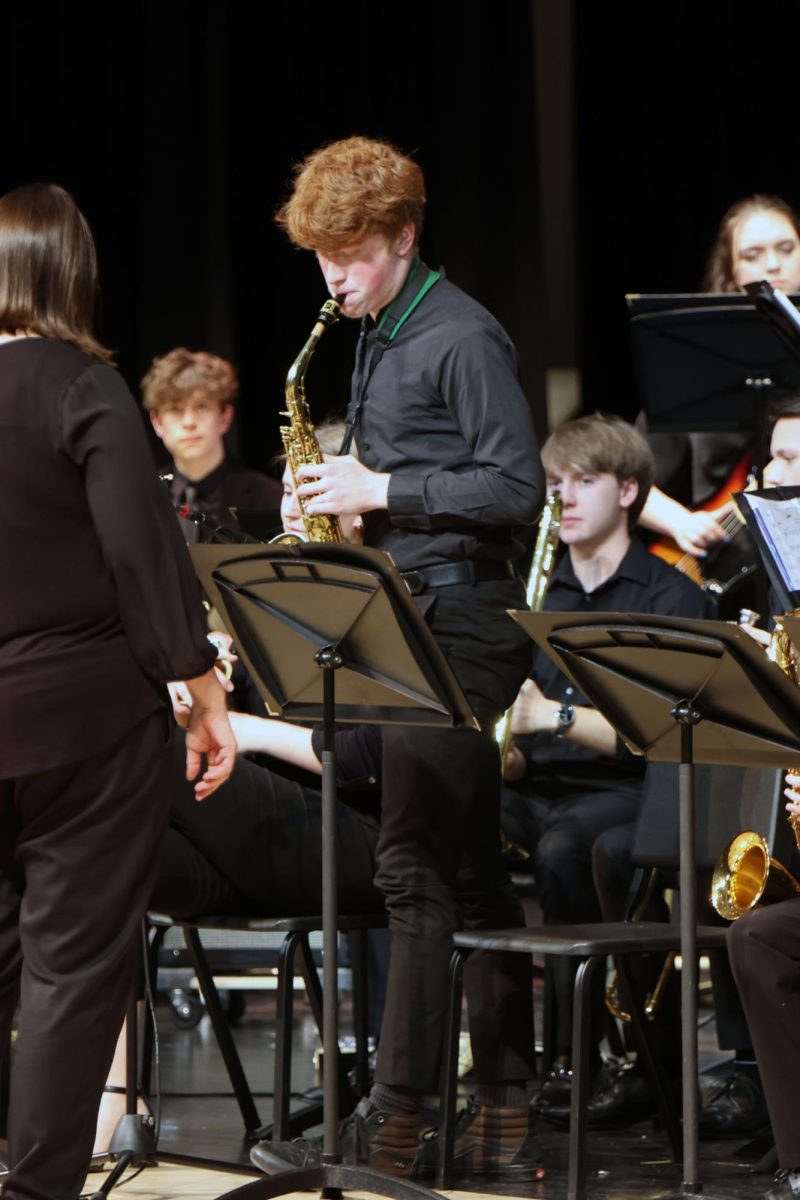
(708,362)
(300,614)
(680,691)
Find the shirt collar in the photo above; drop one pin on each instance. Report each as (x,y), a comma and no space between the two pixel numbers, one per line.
(204,486)
(635,566)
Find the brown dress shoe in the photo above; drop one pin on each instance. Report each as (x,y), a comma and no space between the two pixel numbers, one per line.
(488,1141)
(384,1141)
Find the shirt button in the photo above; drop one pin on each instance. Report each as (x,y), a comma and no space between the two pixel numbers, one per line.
(372,779)
(570,691)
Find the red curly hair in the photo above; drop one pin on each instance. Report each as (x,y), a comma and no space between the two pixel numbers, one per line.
(351,189)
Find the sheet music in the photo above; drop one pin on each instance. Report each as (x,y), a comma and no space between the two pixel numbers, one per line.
(779,522)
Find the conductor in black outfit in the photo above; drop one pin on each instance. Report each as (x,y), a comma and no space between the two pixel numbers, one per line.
(99,599)
(448,466)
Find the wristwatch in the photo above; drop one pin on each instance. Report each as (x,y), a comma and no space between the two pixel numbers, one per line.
(565,719)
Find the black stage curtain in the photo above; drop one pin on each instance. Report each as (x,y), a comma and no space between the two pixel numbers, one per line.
(683,108)
(176,124)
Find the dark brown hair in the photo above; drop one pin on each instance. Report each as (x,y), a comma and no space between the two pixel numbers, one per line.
(602,444)
(48,268)
(350,189)
(781,405)
(719,268)
(181,372)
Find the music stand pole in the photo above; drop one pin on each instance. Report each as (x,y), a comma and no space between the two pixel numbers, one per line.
(329,660)
(687,716)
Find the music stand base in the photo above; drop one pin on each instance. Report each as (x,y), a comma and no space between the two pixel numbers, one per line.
(331,1178)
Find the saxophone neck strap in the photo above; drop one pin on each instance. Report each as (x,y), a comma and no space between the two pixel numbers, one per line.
(419,281)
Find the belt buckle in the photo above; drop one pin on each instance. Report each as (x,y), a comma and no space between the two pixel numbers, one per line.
(415,581)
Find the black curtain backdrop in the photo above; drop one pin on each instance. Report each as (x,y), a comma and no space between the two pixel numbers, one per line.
(176,125)
(684,107)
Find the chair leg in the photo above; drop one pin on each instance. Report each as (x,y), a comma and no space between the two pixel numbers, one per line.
(311,979)
(666,1099)
(581,1028)
(284,1013)
(150,966)
(233,1064)
(447,1105)
(358,953)
(5,1081)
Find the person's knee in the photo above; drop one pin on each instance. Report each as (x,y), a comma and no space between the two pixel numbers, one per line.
(556,852)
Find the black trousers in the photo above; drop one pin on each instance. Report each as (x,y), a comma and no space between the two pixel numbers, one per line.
(613,876)
(254,847)
(764,949)
(439,860)
(559,834)
(77,858)
(613,872)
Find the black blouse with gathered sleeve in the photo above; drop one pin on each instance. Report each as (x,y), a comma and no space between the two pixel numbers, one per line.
(99,605)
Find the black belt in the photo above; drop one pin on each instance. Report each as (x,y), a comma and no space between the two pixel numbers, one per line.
(459,572)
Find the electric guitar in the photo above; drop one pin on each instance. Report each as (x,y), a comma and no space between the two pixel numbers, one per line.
(723,563)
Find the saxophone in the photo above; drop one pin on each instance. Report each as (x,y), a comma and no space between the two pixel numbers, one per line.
(745,872)
(544,558)
(299,438)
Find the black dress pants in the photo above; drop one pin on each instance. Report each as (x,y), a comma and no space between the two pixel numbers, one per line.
(77,858)
(764,949)
(439,860)
(254,846)
(559,834)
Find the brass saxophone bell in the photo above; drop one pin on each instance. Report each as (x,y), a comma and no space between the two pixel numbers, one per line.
(746,875)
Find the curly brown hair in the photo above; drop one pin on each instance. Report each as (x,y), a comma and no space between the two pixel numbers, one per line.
(719,275)
(177,374)
(351,189)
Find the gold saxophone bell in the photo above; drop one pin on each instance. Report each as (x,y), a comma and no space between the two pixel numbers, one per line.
(746,875)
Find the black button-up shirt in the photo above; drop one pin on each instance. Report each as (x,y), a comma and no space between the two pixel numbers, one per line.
(230,485)
(445,415)
(642,583)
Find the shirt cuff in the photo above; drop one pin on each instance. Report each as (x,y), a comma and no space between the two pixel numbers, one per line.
(406,495)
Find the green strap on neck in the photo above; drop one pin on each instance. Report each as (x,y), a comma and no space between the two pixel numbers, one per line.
(411,294)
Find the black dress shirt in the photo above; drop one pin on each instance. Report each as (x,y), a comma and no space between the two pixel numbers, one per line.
(642,583)
(445,415)
(230,485)
(99,600)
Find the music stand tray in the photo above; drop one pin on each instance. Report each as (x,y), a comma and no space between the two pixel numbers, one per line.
(684,691)
(331,633)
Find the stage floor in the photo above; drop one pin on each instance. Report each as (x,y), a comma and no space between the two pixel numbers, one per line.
(200,1118)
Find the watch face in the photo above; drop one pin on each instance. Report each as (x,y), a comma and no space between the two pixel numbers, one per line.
(566,716)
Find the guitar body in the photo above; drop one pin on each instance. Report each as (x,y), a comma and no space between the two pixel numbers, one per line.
(714,569)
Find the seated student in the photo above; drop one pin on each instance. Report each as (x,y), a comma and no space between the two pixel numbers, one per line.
(190,400)
(572,776)
(758,238)
(736,1107)
(764,945)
